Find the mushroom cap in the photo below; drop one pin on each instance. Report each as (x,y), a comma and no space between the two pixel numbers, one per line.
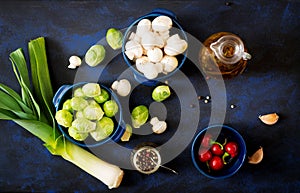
(155,54)
(175,45)
(133,48)
(143,26)
(150,40)
(75,61)
(169,63)
(159,127)
(149,70)
(161,23)
(154,120)
(124,87)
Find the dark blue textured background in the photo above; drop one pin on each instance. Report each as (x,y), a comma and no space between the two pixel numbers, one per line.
(270,30)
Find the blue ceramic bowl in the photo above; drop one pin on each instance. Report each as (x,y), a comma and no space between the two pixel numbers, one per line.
(66,92)
(219,133)
(175,29)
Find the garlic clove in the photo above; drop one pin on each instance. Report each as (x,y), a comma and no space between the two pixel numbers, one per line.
(269,119)
(256,157)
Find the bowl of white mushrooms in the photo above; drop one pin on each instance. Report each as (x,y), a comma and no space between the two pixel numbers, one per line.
(155,46)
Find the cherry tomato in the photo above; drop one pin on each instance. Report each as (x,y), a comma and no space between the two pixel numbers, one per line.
(216,163)
(231,148)
(217,149)
(204,155)
(206,140)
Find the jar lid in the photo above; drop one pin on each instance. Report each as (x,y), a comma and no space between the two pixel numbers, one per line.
(146,159)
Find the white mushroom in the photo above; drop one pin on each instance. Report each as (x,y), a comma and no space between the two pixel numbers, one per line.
(169,63)
(133,36)
(175,45)
(72,66)
(133,50)
(140,62)
(129,54)
(150,71)
(74,62)
(161,23)
(159,67)
(164,35)
(158,126)
(155,54)
(122,87)
(143,26)
(150,40)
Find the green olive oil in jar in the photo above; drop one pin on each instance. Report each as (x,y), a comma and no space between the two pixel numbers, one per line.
(224,55)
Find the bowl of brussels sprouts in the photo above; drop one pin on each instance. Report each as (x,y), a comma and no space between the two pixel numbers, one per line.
(88,114)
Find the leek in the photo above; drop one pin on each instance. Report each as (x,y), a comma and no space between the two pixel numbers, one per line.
(33,111)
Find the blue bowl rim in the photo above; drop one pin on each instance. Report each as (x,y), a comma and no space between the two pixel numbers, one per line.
(241,141)
(128,62)
(116,135)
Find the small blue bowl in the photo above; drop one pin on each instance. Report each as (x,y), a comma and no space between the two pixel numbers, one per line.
(66,92)
(181,57)
(219,133)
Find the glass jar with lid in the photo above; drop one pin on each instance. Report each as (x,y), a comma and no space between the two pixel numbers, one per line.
(224,55)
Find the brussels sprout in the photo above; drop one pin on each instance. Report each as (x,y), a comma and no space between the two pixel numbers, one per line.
(110,108)
(95,55)
(91,89)
(78,92)
(67,105)
(64,118)
(93,112)
(104,96)
(139,116)
(76,134)
(79,114)
(104,128)
(78,103)
(93,103)
(114,38)
(161,93)
(84,125)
